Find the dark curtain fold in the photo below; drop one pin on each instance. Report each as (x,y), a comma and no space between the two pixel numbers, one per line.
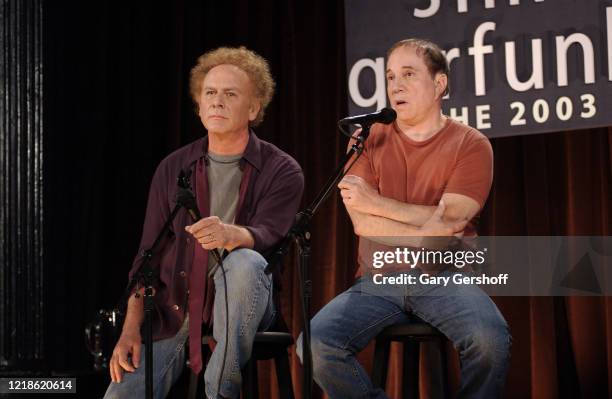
(117,102)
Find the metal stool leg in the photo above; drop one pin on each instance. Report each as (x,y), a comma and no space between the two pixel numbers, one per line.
(381,363)
(193,386)
(434,351)
(283,375)
(249,380)
(410,370)
(441,345)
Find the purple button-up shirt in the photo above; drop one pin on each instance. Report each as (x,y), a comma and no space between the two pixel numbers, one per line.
(273,185)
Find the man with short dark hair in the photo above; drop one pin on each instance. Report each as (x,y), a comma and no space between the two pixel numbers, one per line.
(248,192)
(424,175)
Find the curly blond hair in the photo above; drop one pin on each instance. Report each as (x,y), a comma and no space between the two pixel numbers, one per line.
(255,66)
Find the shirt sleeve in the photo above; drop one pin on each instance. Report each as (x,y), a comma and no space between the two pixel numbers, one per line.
(473,172)
(275,211)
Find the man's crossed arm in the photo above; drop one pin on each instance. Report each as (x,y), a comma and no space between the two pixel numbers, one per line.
(376,216)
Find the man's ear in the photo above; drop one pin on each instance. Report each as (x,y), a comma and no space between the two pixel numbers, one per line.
(254,109)
(441,82)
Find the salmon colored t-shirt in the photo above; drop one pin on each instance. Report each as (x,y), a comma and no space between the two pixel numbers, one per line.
(458,159)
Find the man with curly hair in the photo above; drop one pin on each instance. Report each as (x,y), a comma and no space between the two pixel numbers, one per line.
(248,192)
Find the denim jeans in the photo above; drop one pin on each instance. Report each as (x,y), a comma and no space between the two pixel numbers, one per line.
(251,309)
(464,313)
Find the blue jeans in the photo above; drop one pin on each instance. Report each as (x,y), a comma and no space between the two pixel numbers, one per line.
(251,309)
(464,313)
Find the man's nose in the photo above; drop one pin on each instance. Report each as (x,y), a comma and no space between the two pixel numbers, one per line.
(395,87)
(217,101)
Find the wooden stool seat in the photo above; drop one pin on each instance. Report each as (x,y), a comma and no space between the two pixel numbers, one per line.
(411,334)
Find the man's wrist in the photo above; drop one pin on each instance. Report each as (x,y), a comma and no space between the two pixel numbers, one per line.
(378,205)
(238,237)
(232,237)
(131,327)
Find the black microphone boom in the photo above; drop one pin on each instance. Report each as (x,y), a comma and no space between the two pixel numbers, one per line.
(385,116)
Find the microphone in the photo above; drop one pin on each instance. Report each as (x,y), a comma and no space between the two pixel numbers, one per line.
(187,200)
(385,116)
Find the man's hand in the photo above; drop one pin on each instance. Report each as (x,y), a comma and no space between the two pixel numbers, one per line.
(211,233)
(129,343)
(437,227)
(358,195)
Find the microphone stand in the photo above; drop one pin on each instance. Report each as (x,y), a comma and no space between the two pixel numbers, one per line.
(300,234)
(146,273)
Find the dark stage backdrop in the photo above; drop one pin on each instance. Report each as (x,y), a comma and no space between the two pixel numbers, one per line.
(116,102)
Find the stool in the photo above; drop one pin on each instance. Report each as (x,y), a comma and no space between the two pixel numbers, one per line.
(267,345)
(411,335)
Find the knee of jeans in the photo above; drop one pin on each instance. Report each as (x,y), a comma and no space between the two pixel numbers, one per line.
(491,344)
(318,349)
(244,265)
(243,256)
